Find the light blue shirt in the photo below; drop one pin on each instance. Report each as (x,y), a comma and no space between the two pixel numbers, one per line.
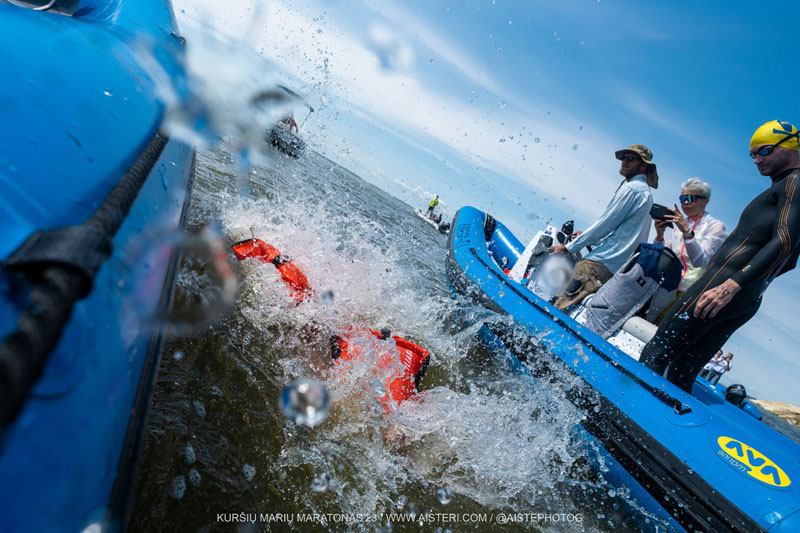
(624,224)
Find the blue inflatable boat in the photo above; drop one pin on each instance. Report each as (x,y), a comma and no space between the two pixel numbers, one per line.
(695,461)
(86,177)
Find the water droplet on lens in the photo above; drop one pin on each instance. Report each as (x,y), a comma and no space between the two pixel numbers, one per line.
(536,140)
(189,452)
(327,296)
(401,501)
(199,408)
(378,388)
(178,487)
(445,495)
(194,477)
(306,402)
(108,92)
(178,355)
(249,472)
(612,492)
(321,482)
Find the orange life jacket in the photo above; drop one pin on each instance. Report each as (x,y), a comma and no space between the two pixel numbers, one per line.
(413,358)
(400,386)
(266,253)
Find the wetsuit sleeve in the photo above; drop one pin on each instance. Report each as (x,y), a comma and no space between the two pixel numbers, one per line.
(785,236)
(701,252)
(620,206)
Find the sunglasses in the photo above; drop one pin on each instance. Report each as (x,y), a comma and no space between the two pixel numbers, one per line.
(691,198)
(764,151)
(628,158)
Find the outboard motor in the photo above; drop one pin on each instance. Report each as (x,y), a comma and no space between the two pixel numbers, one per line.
(542,272)
(565,235)
(736,394)
(546,273)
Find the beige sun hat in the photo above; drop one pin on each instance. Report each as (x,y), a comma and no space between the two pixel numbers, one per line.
(647,156)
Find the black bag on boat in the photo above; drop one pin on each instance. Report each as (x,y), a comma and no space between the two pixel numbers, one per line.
(629,289)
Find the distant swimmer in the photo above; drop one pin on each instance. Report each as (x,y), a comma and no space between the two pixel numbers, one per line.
(432,205)
(763,246)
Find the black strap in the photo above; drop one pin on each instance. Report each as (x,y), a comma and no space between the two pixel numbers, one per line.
(84,248)
(281,259)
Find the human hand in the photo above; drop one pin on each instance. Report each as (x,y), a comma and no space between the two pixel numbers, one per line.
(575,235)
(558,249)
(679,220)
(661,226)
(713,300)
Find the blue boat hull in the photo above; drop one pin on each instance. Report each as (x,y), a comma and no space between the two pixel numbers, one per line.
(698,463)
(82,106)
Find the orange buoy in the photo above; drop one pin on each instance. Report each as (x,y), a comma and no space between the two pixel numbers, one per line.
(266,253)
(402,384)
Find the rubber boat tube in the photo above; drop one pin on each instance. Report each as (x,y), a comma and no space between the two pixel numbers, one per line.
(698,462)
(86,177)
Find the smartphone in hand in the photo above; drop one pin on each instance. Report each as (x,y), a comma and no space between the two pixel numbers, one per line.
(660,212)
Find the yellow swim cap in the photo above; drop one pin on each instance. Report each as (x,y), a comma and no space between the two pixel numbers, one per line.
(774,132)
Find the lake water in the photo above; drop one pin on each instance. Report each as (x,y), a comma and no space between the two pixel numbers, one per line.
(476,442)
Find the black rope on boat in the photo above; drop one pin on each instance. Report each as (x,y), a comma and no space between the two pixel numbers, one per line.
(60,266)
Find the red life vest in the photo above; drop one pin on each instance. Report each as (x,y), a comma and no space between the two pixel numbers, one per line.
(413,358)
(266,253)
(403,383)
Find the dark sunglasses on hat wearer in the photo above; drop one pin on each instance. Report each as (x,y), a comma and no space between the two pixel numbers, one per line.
(764,151)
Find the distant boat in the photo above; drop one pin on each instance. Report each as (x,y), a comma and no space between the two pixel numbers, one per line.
(281,135)
(443,226)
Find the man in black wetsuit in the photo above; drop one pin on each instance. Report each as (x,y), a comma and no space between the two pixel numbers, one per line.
(763,246)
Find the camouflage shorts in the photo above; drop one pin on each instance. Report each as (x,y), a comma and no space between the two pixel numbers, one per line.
(586,278)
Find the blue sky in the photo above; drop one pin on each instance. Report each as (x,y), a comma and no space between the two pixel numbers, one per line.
(516,107)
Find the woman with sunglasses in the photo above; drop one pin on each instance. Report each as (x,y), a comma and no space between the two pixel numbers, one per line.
(695,238)
(764,245)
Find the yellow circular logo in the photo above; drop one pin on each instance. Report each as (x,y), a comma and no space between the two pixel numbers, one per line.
(750,461)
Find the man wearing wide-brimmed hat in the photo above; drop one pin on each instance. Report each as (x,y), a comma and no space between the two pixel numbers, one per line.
(614,237)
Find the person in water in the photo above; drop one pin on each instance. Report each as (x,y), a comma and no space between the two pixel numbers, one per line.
(617,232)
(763,246)
(432,205)
(694,238)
